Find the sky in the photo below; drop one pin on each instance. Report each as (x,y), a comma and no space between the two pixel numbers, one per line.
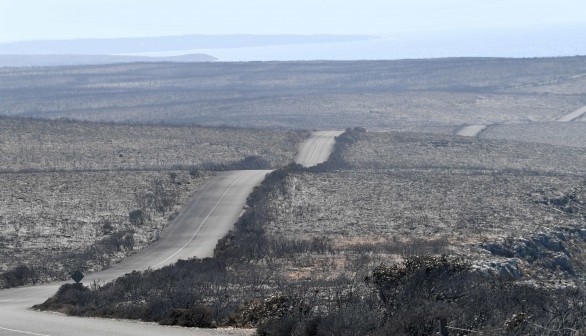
(22,20)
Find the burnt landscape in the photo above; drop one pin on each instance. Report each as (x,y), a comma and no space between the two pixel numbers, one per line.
(321,250)
(405,225)
(78,195)
(406,94)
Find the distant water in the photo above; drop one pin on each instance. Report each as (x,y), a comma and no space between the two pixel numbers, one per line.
(564,41)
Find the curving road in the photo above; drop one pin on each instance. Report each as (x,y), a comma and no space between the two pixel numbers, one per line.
(209,215)
(471,131)
(474,130)
(317,148)
(573,115)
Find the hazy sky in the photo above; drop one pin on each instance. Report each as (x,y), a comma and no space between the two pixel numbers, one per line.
(69,19)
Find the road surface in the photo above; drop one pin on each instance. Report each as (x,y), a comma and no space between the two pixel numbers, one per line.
(474,130)
(471,131)
(553,81)
(212,211)
(317,148)
(573,115)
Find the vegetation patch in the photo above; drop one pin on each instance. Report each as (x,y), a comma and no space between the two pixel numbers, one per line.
(81,195)
(402,150)
(554,133)
(33,145)
(432,95)
(54,223)
(303,285)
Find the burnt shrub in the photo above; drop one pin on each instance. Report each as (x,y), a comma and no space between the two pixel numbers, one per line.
(137,217)
(195,172)
(284,326)
(73,294)
(68,299)
(353,320)
(107,227)
(20,276)
(252,162)
(197,316)
(427,277)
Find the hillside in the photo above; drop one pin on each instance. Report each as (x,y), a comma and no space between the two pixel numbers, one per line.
(363,246)
(417,95)
(53,145)
(555,133)
(80,195)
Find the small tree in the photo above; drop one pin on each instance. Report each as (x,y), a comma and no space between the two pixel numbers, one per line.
(194,172)
(137,217)
(107,227)
(20,276)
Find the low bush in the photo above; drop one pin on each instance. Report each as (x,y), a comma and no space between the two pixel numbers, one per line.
(293,286)
(20,276)
(197,316)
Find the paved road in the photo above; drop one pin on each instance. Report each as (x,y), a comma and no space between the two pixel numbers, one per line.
(573,115)
(211,213)
(474,130)
(553,81)
(317,148)
(471,131)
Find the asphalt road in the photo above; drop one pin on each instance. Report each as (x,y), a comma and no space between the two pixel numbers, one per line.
(573,115)
(212,211)
(474,130)
(471,131)
(317,148)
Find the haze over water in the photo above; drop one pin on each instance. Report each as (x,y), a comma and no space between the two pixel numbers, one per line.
(565,41)
(415,29)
